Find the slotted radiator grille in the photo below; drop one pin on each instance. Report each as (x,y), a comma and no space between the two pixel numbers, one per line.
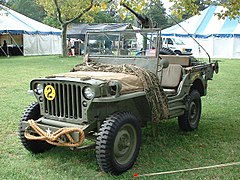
(67,102)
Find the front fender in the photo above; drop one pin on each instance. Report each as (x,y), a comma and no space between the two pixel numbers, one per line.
(136,103)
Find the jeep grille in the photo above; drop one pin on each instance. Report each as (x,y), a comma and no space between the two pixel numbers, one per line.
(66,104)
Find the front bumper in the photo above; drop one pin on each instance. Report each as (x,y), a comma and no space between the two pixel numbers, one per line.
(51,126)
(187,53)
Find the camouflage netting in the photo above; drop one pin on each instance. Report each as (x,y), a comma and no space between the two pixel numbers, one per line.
(154,92)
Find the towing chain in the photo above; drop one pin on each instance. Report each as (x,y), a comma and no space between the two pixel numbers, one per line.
(55,138)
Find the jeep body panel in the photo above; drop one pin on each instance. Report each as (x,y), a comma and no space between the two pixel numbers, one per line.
(195,75)
(122,85)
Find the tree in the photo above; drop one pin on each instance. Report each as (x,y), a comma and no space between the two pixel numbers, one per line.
(3,2)
(157,13)
(107,15)
(52,21)
(68,11)
(192,7)
(199,5)
(29,8)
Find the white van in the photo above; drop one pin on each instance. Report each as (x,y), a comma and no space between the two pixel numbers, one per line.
(176,45)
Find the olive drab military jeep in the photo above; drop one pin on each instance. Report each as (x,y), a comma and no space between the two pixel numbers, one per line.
(123,83)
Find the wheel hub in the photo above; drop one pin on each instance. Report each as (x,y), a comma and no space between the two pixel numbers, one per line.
(193,112)
(125,143)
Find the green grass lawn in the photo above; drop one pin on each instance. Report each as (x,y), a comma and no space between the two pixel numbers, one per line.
(216,141)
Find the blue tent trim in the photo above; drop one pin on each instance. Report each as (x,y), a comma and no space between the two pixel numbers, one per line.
(203,36)
(229,26)
(200,26)
(206,20)
(19,32)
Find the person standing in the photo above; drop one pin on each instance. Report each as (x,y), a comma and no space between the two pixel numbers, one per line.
(5,48)
(72,47)
(69,47)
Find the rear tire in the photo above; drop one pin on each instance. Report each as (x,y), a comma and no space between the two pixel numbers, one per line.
(166,51)
(34,146)
(178,52)
(118,143)
(191,117)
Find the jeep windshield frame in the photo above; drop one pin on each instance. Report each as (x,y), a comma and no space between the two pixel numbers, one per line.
(125,43)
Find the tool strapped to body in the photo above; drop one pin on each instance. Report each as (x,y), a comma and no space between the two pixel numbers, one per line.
(55,138)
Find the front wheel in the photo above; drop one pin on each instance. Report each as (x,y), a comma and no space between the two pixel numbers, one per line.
(191,117)
(118,143)
(34,146)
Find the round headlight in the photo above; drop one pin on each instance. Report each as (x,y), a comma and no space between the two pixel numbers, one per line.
(88,93)
(39,89)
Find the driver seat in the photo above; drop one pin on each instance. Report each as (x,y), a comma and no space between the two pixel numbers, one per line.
(171,77)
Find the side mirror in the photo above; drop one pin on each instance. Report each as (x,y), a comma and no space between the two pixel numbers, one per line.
(164,63)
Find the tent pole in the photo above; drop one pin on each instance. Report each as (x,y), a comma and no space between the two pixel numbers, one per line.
(15,43)
(4,52)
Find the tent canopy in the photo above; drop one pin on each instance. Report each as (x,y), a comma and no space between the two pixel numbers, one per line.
(205,25)
(79,30)
(212,33)
(15,23)
(27,36)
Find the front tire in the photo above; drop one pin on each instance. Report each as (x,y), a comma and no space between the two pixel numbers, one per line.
(34,146)
(118,143)
(191,117)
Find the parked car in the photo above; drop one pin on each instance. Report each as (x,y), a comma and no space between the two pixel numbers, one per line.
(176,45)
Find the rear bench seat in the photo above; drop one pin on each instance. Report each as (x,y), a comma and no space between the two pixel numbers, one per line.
(185,61)
(171,77)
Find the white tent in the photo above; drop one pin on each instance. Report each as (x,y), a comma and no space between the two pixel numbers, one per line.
(27,35)
(220,37)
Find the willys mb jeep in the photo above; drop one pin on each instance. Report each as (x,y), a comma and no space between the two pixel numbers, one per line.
(124,83)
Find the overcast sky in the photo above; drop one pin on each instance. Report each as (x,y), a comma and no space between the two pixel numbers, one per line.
(167,4)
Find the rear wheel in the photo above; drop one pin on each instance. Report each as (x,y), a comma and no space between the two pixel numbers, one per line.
(34,146)
(178,52)
(166,51)
(191,117)
(118,143)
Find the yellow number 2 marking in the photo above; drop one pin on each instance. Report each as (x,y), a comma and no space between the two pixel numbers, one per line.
(49,92)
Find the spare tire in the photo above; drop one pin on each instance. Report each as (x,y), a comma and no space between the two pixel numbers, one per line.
(166,51)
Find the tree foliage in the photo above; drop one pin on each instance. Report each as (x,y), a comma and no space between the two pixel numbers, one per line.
(105,17)
(3,2)
(29,8)
(192,7)
(70,9)
(52,21)
(67,11)
(157,13)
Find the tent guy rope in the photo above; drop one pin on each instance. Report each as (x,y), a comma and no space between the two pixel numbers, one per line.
(187,170)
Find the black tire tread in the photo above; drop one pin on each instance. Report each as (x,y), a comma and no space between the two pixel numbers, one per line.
(104,143)
(183,121)
(32,112)
(166,51)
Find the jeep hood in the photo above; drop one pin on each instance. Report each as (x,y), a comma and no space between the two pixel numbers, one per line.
(130,83)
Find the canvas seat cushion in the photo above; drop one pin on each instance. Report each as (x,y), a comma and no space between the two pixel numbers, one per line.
(171,76)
